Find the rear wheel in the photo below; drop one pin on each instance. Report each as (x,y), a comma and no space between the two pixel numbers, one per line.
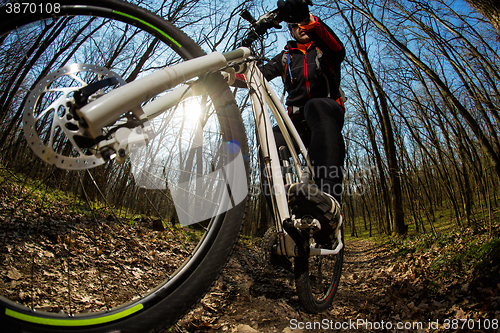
(94,246)
(317,279)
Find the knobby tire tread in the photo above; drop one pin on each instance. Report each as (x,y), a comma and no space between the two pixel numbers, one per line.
(303,284)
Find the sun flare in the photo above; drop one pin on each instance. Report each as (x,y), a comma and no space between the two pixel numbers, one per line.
(192,109)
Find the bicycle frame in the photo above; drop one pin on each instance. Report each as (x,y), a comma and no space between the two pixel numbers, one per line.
(109,107)
(261,90)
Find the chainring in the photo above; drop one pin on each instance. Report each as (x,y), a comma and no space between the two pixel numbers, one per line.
(52,132)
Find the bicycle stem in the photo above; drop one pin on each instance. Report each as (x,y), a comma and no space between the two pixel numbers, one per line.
(238,54)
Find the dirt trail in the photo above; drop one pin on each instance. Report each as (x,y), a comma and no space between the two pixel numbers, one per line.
(247,298)
(378,292)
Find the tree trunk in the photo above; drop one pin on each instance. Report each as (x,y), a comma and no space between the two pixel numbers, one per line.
(489,9)
(382,107)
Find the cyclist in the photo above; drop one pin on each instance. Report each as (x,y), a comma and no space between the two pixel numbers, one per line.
(310,68)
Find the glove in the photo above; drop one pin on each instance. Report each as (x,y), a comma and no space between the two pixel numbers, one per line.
(293,11)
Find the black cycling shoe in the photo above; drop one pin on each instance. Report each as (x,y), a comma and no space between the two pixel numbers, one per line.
(308,199)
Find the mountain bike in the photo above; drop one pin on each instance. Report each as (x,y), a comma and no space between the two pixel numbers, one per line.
(111,114)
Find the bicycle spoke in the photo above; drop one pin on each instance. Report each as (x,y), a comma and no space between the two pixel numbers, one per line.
(78,236)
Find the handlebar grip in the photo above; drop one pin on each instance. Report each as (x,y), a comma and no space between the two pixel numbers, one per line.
(245,14)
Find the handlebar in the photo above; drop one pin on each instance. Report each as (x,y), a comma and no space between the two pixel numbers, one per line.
(260,26)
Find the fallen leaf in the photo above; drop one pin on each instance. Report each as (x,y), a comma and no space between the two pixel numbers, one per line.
(14,274)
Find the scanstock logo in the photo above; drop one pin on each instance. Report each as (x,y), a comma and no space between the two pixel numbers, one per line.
(200,180)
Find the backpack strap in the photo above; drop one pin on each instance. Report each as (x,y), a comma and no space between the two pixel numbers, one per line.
(319,55)
(285,64)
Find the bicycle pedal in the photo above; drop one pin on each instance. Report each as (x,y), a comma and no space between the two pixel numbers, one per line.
(307,223)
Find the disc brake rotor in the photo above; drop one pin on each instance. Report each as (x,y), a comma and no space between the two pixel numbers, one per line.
(50,129)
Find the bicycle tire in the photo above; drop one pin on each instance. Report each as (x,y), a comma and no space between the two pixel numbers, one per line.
(317,287)
(30,199)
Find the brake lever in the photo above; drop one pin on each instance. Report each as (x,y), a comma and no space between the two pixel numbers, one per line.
(263,23)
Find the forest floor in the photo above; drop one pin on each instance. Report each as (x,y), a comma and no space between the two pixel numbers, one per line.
(384,287)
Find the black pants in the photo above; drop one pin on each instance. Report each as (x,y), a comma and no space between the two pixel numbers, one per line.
(320,128)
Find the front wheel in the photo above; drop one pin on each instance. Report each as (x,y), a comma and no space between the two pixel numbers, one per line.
(317,279)
(94,246)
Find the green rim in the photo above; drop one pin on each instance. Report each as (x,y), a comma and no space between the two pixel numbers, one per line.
(73,321)
(149,25)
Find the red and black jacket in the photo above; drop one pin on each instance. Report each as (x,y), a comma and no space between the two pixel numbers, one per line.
(298,67)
